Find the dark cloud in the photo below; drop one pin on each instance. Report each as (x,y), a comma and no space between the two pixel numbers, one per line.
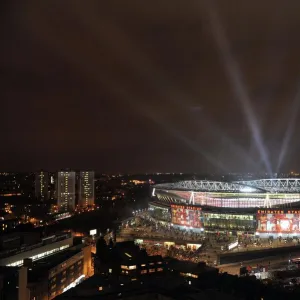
(141,86)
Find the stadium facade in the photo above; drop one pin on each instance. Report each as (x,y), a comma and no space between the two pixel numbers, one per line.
(265,207)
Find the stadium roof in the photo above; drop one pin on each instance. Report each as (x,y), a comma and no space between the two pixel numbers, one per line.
(278,185)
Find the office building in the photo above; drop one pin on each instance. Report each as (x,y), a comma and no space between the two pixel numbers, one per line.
(86,195)
(48,277)
(66,190)
(132,274)
(41,186)
(14,252)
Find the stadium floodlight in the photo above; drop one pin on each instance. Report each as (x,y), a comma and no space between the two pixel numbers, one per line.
(192,198)
(247,189)
(153,192)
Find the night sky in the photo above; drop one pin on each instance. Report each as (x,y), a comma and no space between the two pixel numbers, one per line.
(150,86)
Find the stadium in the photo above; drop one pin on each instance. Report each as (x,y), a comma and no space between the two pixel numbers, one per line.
(264,207)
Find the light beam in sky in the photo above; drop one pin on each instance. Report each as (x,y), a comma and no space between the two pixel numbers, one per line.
(236,81)
(290,129)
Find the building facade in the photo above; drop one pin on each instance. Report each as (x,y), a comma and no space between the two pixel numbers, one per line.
(86,189)
(41,186)
(264,207)
(44,248)
(54,276)
(52,186)
(66,190)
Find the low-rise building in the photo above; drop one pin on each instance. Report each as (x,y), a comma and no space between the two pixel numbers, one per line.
(127,262)
(44,248)
(46,278)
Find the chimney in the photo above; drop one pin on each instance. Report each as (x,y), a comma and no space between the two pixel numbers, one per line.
(27,262)
(23,291)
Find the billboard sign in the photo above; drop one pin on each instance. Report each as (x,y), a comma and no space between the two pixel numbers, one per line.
(278,221)
(93,232)
(189,216)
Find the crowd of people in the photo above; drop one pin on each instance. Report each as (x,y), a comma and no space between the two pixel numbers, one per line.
(183,253)
(155,249)
(145,226)
(248,242)
(178,252)
(162,238)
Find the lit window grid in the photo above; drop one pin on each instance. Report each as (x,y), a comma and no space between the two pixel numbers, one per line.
(86,194)
(38,256)
(66,190)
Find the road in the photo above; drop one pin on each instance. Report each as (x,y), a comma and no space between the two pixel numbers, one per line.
(264,244)
(276,263)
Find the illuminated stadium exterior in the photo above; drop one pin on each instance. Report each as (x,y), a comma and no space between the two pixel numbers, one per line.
(264,206)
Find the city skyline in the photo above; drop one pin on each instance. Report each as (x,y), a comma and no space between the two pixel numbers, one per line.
(150,149)
(169,88)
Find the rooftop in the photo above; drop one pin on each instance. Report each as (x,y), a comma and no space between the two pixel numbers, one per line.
(41,267)
(170,287)
(128,252)
(89,289)
(44,241)
(269,185)
(190,267)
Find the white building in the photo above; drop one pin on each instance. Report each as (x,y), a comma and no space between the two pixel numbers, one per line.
(47,247)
